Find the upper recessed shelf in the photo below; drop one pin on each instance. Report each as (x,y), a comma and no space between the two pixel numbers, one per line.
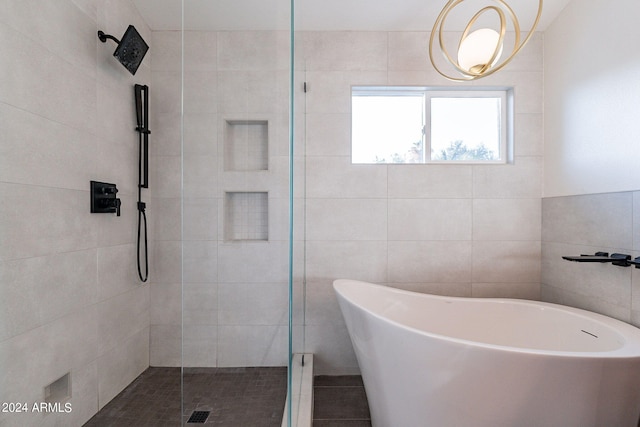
(246,145)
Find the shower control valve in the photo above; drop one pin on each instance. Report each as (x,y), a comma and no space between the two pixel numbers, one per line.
(109,190)
(103,198)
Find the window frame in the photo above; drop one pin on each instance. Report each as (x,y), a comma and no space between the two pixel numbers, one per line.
(429,92)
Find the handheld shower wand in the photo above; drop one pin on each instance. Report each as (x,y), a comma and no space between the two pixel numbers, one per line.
(141,93)
(142,115)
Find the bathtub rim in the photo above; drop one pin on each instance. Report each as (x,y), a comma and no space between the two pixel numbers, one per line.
(630,334)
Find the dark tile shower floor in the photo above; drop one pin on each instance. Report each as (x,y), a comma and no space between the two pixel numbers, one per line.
(234,397)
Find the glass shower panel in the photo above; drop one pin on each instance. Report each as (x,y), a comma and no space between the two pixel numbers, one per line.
(235,205)
(302,360)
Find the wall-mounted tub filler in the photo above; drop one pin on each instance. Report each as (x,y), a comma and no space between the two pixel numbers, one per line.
(131,49)
(103,198)
(621,260)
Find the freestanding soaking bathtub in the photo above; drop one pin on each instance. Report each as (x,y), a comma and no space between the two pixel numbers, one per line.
(437,361)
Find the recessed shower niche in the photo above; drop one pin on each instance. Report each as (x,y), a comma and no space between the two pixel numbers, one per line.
(246,144)
(246,216)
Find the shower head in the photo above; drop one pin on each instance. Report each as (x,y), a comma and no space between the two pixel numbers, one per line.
(131,49)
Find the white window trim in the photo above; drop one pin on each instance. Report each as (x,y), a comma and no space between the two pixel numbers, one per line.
(507,128)
(473,93)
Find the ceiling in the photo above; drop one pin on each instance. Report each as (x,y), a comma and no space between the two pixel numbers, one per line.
(328,15)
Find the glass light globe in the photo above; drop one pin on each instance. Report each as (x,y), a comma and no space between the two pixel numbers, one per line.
(477,48)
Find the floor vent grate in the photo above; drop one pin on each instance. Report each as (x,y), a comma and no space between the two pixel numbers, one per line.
(198,417)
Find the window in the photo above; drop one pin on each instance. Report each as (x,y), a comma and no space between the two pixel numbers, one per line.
(430,125)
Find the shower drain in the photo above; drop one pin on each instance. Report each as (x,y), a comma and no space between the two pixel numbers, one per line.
(198,417)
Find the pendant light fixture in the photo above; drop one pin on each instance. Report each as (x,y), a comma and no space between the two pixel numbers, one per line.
(480,50)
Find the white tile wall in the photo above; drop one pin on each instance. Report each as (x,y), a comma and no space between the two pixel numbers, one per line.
(456,230)
(447,229)
(71,299)
(200,346)
(434,181)
(330,259)
(346,219)
(506,261)
(166,294)
(335,177)
(122,363)
(165,345)
(506,219)
(25,162)
(200,304)
(251,50)
(585,224)
(430,219)
(233,293)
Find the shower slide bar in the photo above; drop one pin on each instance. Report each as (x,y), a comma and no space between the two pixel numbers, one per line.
(142,115)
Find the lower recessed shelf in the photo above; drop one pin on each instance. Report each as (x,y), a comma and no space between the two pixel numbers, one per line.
(246,216)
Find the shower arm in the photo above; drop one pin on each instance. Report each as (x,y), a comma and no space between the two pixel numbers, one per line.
(103,37)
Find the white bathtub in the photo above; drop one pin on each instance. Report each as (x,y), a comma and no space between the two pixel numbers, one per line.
(437,361)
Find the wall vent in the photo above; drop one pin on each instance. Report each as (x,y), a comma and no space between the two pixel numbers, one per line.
(58,391)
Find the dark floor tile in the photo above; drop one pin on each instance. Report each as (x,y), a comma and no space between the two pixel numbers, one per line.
(331,403)
(341,423)
(234,396)
(103,422)
(337,380)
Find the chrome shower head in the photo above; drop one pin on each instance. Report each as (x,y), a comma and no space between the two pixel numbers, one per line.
(131,49)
